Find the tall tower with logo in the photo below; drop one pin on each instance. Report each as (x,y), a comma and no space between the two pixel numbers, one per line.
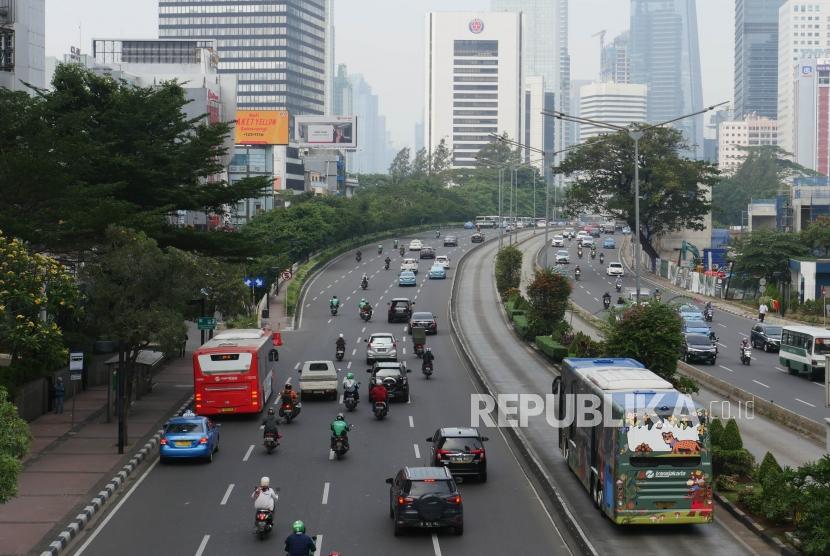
(473,81)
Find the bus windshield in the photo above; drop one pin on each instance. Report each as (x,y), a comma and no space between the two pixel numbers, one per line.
(225,363)
(822,346)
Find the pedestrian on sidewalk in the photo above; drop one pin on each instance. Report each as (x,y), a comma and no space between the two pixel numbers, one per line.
(183,346)
(762,311)
(58,395)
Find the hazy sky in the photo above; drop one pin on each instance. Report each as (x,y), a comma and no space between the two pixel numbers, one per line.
(384,40)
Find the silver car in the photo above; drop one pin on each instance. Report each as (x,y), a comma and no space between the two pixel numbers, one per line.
(562,257)
(381,346)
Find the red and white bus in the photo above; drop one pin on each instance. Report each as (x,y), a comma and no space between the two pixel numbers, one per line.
(234,372)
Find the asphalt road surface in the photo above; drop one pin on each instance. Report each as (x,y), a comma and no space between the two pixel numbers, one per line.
(204,509)
(764,377)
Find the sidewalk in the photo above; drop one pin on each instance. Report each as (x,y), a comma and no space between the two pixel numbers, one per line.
(278,318)
(67,466)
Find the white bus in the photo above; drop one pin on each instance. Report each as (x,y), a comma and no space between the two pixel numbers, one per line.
(487,221)
(804,349)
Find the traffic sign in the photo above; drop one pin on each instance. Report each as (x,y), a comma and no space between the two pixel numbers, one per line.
(206,323)
(763,281)
(762,288)
(286,275)
(823,291)
(76,365)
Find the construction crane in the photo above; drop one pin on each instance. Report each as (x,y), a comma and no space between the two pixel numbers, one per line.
(601,36)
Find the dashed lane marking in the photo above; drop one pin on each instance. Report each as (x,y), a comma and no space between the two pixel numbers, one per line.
(760,383)
(297,366)
(417,451)
(248,453)
(202,545)
(805,403)
(227,495)
(726,368)
(325,499)
(411,422)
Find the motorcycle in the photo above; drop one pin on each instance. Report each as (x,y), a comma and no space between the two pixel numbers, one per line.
(426,368)
(364,284)
(419,350)
(271,441)
(333,309)
(579,253)
(349,400)
(437,234)
(366,314)
(339,353)
(601,259)
(577,274)
(380,409)
(708,313)
(339,446)
(289,410)
(593,255)
(606,302)
(618,286)
(746,355)
(358,256)
(263,523)
(386,265)
(402,251)
(380,250)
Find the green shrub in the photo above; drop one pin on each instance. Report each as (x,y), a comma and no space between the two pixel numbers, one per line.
(508,268)
(769,466)
(517,313)
(715,432)
(242,321)
(738,462)
(809,496)
(731,437)
(551,348)
(521,325)
(583,345)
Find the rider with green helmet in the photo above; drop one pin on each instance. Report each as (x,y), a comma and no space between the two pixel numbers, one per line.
(350,386)
(298,543)
(340,429)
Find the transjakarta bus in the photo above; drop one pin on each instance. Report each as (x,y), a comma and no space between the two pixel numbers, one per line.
(487,221)
(804,349)
(233,372)
(650,463)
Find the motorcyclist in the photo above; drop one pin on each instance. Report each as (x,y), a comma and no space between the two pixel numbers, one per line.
(387,261)
(744,344)
(618,284)
(364,306)
(378,393)
(380,248)
(350,385)
(364,280)
(577,271)
(265,497)
(428,357)
(396,244)
(269,424)
(601,258)
(437,233)
(402,251)
(340,429)
(298,543)
(340,343)
(288,394)
(358,255)
(620,300)
(656,294)
(334,302)
(606,299)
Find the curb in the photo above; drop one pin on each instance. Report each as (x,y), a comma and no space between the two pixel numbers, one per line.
(106,494)
(519,440)
(754,526)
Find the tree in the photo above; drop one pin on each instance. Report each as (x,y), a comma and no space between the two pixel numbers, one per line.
(767,253)
(817,236)
(421,164)
(441,159)
(764,173)
(497,154)
(648,333)
(673,189)
(401,167)
(96,151)
(548,297)
(15,439)
(36,293)
(508,268)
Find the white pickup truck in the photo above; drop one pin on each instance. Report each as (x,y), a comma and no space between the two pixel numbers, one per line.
(318,378)
(410,264)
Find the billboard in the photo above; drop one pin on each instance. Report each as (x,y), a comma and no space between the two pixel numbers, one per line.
(261,127)
(326,131)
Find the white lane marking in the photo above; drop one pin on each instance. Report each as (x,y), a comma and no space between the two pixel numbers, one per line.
(780,370)
(288,380)
(297,366)
(319,544)
(341,399)
(248,453)
(414,298)
(354,292)
(403,350)
(726,368)
(354,351)
(325,497)
(331,455)
(227,495)
(819,384)
(364,330)
(115,510)
(329,321)
(760,383)
(435,546)
(349,365)
(805,403)
(596,299)
(411,422)
(721,324)
(322,292)
(744,335)
(380,298)
(348,298)
(314,298)
(202,545)
(404,327)
(417,451)
(307,305)
(722,345)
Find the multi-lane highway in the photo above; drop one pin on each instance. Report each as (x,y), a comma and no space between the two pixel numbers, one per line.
(764,378)
(205,509)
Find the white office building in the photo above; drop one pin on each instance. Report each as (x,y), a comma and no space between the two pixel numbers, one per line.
(22,43)
(473,81)
(803,34)
(620,104)
(734,136)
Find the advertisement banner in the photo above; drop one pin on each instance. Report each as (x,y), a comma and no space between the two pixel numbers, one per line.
(326,131)
(261,127)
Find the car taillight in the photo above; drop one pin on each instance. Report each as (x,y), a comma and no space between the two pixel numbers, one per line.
(204,440)
(441,453)
(455,499)
(403,500)
(479,453)
(163,441)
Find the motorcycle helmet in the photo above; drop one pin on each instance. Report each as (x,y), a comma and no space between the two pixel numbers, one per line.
(298,527)
(341,335)
(288,386)
(270,411)
(363,300)
(339,417)
(350,376)
(264,482)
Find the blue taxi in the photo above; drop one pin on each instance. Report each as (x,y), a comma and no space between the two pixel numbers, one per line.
(189,436)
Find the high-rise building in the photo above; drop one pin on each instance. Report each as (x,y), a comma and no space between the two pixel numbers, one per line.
(276,48)
(802,35)
(752,131)
(22,44)
(545,48)
(539,130)
(615,65)
(371,156)
(576,86)
(342,92)
(473,81)
(665,56)
(329,105)
(419,138)
(811,124)
(756,57)
(619,104)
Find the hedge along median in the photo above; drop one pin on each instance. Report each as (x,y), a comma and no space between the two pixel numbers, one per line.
(318,261)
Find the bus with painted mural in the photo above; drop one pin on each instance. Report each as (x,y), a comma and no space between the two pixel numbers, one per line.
(234,372)
(804,350)
(649,461)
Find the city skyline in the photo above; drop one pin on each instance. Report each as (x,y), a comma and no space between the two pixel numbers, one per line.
(364,25)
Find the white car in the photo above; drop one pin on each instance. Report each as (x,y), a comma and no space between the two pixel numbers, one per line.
(415,245)
(381,346)
(410,264)
(615,269)
(562,257)
(587,242)
(570,233)
(557,241)
(442,260)
(318,378)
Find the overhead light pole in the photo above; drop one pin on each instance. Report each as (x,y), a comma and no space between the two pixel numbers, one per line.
(635,133)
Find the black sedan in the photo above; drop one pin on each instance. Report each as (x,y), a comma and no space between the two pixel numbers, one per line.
(425,320)
(698,347)
(766,336)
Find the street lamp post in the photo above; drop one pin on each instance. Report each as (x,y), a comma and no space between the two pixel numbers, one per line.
(501,173)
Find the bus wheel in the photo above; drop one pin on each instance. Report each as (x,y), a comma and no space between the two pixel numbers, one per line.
(597,494)
(790,369)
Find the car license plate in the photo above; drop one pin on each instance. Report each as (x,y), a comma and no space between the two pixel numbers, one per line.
(429,524)
(461,459)
(183,443)
(380,350)
(227,410)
